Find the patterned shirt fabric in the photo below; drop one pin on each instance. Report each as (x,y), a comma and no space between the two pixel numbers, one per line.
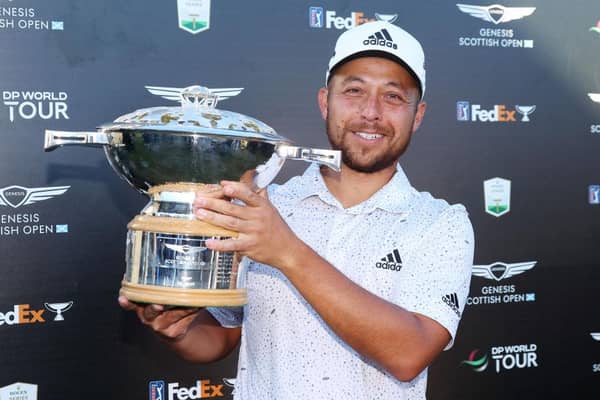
(400,244)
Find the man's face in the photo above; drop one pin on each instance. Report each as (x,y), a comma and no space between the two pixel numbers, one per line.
(371,107)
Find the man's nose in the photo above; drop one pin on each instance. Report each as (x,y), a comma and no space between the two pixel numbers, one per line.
(371,108)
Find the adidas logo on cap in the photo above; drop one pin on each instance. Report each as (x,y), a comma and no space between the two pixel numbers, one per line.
(392,261)
(452,301)
(381,38)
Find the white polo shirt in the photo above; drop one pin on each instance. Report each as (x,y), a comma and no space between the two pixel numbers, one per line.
(404,246)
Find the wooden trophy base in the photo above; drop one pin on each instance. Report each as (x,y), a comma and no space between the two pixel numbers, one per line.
(183,297)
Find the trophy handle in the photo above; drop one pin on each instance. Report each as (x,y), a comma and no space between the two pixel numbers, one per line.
(55,139)
(330,158)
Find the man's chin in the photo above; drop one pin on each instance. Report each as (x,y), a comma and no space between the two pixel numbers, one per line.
(368,167)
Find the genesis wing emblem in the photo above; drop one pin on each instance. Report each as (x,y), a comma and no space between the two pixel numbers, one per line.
(391,18)
(596,336)
(170,93)
(595,97)
(32,195)
(496,13)
(185,249)
(485,271)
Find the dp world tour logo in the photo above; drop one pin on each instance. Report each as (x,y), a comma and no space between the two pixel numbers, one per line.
(477,364)
(596,28)
(505,358)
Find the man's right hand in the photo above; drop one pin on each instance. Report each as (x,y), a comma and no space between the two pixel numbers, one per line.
(169,323)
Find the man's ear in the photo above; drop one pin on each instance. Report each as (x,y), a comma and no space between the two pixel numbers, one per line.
(322,99)
(421,108)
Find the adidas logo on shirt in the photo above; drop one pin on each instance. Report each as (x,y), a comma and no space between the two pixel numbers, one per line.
(452,301)
(381,38)
(392,261)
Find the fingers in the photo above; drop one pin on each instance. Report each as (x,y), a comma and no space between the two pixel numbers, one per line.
(233,223)
(169,322)
(126,304)
(227,245)
(242,192)
(219,206)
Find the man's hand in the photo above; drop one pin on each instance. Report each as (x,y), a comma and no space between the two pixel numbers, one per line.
(169,323)
(263,234)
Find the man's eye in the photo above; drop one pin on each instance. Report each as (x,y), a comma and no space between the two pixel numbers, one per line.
(395,97)
(352,90)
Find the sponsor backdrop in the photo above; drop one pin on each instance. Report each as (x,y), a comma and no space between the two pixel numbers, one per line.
(512,131)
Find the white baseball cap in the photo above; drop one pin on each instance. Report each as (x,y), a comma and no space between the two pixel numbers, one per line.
(383,39)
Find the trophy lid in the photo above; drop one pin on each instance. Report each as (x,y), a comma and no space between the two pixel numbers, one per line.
(196,114)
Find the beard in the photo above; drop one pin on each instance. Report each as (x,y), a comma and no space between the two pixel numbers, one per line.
(357,159)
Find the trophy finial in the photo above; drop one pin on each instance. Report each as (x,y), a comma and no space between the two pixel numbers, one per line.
(198,96)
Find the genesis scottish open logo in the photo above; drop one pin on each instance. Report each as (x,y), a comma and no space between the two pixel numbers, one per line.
(495,14)
(27,19)
(17,196)
(27,223)
(501,294)
(499,270)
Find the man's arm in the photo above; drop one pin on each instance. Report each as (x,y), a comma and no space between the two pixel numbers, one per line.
(192,333)
(402,342)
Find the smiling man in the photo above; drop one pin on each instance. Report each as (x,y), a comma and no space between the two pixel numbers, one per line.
(356,281)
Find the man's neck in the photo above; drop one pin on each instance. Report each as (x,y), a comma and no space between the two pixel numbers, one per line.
(351,187)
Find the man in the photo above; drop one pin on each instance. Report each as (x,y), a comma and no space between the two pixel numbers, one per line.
(356,281)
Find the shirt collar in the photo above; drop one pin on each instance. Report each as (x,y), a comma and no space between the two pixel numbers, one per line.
(393,197)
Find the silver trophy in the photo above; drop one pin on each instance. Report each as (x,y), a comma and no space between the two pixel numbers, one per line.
(58,308)
(170,153)
(525,111)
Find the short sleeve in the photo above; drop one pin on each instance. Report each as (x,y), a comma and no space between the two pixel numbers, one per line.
(439,270)
(228,317)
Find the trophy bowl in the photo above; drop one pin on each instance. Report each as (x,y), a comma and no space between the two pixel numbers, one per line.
(171,154)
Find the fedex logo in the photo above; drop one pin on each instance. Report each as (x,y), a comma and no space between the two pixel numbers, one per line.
(202,390)
(466,111)
(21,314)
(319,18)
